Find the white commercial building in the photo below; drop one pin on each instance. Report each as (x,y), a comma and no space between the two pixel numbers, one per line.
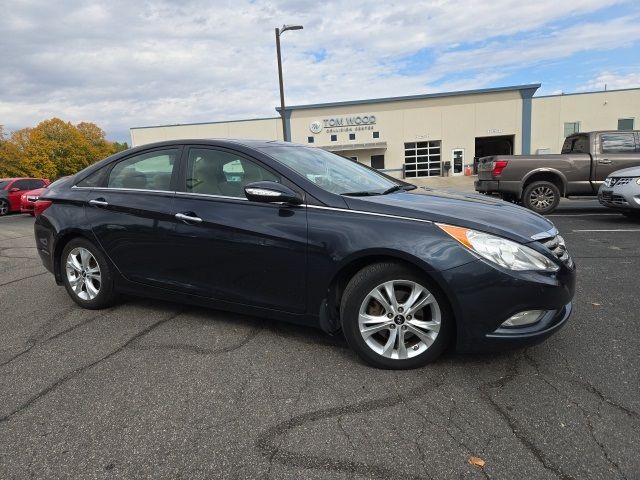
(431,134)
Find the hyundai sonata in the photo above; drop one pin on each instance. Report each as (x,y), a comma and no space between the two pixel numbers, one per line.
(289,232)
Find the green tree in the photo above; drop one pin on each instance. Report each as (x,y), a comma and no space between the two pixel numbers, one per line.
(11,164)
(54,148)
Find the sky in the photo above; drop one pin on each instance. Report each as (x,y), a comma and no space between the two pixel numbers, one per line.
(126,63)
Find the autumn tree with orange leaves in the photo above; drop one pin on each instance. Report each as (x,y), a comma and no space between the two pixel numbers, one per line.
(53,149)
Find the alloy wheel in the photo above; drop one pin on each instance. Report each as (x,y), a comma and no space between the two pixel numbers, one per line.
(399,319)
(541,197)
(4,207)
(83,273)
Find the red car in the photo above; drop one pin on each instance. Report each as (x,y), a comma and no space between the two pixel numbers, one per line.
(12,189)
(28,200)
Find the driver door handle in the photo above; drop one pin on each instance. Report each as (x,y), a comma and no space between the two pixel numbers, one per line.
(604,161)
(188,218)
(98,202)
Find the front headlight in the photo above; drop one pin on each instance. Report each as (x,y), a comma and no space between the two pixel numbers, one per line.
(503,252)
(638,180)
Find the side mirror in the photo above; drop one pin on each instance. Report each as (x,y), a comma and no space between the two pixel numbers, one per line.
(14,189)
(271,192)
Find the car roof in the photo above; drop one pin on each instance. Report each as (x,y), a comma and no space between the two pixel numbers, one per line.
(221,142)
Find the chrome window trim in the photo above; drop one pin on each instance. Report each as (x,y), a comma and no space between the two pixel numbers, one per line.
(223,197)
(117,189)
(361,212)
(210,195)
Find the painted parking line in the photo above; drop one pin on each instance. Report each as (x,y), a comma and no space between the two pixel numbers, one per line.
(584,215)
(611,230)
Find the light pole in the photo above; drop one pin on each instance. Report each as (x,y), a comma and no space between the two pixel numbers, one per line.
(280,31)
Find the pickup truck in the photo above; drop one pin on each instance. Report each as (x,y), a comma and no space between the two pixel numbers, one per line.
(538,181)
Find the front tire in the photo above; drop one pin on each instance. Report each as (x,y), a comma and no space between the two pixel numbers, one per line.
(86,275)
(4,208)
(394,318)
(541,197)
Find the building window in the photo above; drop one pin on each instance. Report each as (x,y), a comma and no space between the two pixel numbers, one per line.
(570,128)
(376,134)
(352,136)
(310,139)
(422,159)
(377,161)
(334,138)
(625,124)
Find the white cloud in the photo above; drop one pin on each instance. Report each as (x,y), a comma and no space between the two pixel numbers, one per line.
(613,81)
(124,64)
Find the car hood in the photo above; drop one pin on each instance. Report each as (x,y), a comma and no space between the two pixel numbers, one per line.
(626,172)
(479,212)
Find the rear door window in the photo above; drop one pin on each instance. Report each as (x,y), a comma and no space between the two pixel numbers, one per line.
(617,143)
(147,171)
(576,144)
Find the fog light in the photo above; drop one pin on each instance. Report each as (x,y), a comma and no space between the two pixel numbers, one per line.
(525,318)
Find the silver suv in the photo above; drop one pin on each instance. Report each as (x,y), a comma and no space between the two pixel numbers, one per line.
(621,191)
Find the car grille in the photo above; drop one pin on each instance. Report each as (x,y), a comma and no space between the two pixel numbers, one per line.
(557,246)
(610,197)
(612,181)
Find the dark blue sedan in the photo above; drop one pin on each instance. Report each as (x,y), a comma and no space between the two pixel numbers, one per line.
(295,233)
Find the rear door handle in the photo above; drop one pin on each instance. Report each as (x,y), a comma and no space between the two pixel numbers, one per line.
(604,161)
(98,202)
(188,218)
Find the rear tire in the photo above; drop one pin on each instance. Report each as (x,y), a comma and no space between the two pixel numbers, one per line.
(4,208)
(541,197)
(86,275)
(408,330)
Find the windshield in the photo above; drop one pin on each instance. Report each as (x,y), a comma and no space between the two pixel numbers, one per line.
(331,172)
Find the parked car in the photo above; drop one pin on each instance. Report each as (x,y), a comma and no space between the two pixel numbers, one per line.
(538,181)
(28,200)
(12,189)
(621,191)
(300,234)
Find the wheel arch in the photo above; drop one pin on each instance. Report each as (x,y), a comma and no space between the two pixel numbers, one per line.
(330,305)
(545,175)
(61,242)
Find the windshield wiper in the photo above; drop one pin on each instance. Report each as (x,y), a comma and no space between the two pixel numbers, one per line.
(360,194)
(395,188)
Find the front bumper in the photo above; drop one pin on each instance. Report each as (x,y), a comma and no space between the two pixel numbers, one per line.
(483,297)
(623,197)
(27,207)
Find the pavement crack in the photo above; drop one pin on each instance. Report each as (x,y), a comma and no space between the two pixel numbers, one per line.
(194,349)
(267,441)
(515,427)
(78,371)
(594,390)
(533,362)
(23,278)
(38,338)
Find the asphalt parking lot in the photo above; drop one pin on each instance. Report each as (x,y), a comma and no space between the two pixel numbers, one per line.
(161,390)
